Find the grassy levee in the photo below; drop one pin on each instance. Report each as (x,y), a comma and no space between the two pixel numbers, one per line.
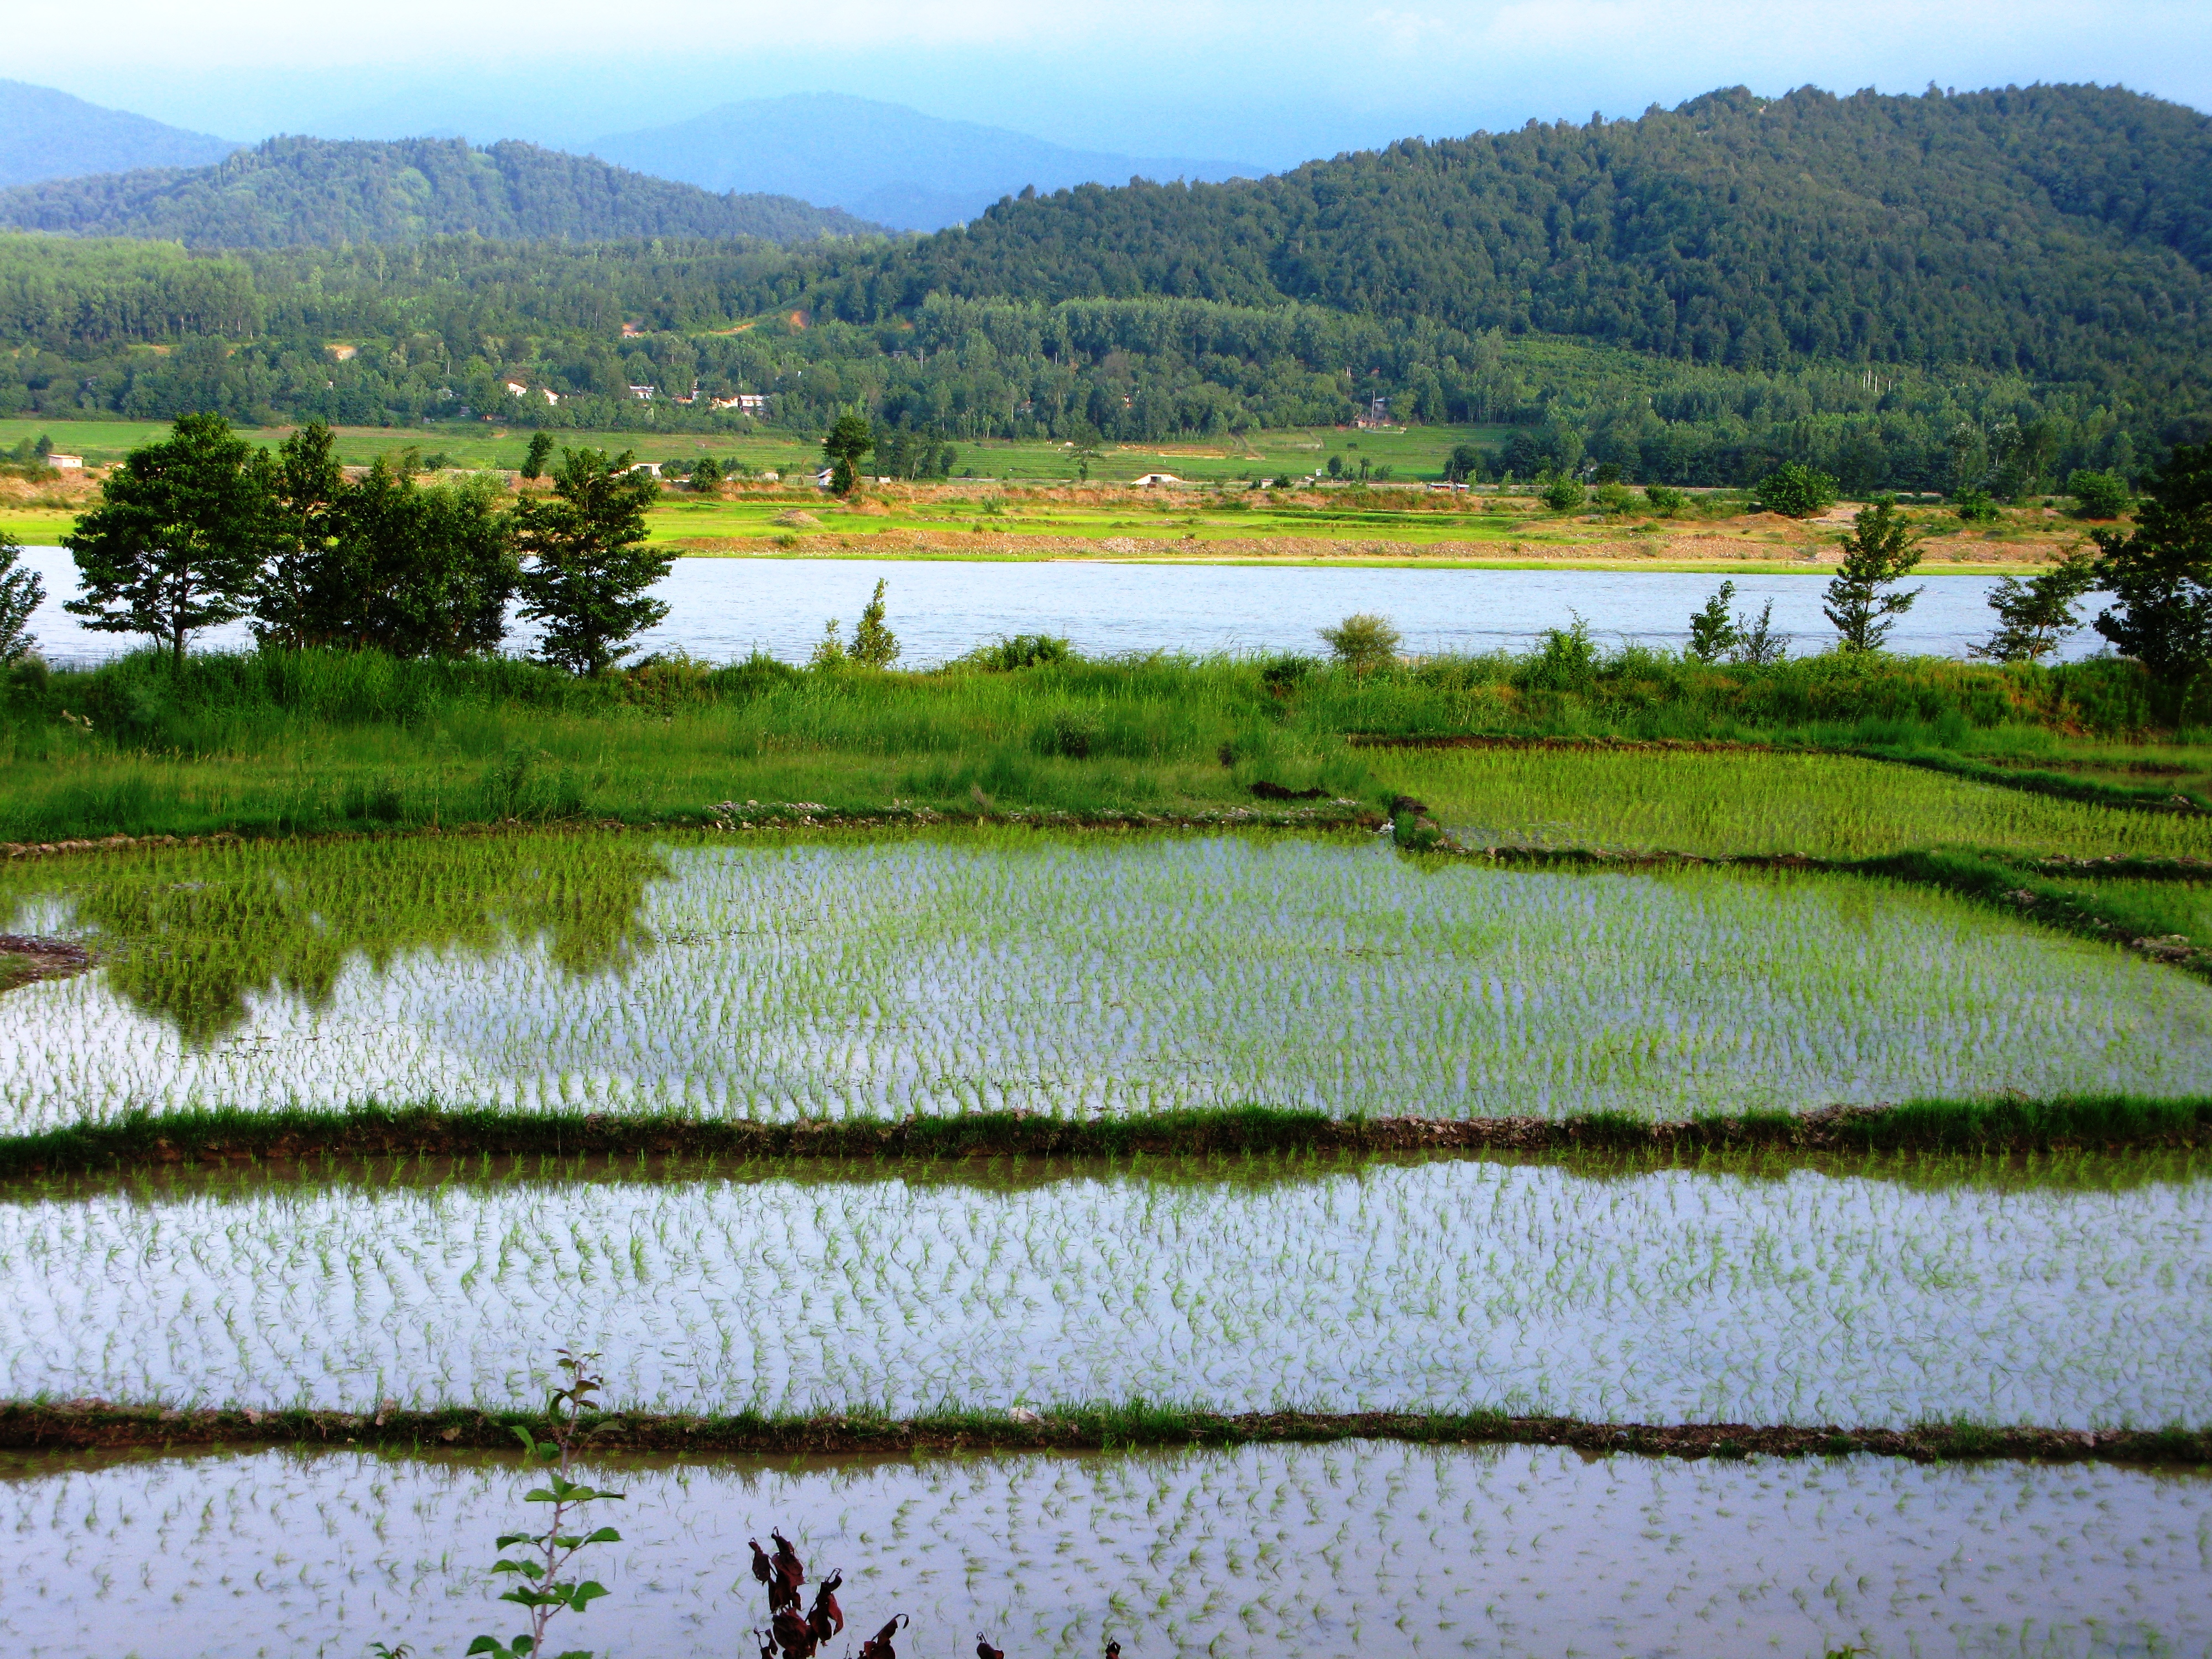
(286,744)
(221,1136)
(1136,1424)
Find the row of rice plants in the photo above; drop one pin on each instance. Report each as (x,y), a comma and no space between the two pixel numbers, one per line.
(1074,976)
(1454,1285)
(1752,802)
(1263,1551)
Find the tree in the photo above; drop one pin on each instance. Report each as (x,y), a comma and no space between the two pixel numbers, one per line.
(21,593)
(849,440)
(874,646)
(1795,490)
(177,542)
(1712,631)
(586,569)
(1464,464)
(706,474)
(1758,641)
(2035,615)
(541,451)
(307,488)
(2097,495)
(1977,507)
(1880,551)
(2160,573)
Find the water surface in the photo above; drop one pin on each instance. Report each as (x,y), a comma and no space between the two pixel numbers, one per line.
(945,973)
(1350,1549)
(1659,1296)
(724,607)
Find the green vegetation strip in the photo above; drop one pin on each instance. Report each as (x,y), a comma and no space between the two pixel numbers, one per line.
(215,1137)
(39,1425)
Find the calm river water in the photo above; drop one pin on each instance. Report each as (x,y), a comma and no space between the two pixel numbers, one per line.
(721,609)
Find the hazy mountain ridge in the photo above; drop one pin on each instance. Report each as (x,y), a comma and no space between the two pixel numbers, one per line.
(882,161)
(2044,229)
(46,134)
(291,191)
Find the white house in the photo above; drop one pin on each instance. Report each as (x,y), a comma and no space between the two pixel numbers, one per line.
(66,463)
(516,389)
(745,403)
(651,469)
(1154,480)
(642,393)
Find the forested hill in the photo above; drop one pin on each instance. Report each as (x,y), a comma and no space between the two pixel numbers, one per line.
(289,192)
(2050,230)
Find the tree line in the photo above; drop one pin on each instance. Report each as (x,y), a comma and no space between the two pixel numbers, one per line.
(202,528)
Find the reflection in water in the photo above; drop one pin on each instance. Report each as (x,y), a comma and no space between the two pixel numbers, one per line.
(1016,971)
(1459,1284)
(186,937)
(1317,1551)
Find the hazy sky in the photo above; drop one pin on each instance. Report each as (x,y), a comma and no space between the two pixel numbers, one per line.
(1270,81)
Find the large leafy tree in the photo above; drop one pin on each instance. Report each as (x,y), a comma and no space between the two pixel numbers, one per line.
(585,564)
(1880,551)
(177,542)
(308,490)
(2159,573)
(849,440)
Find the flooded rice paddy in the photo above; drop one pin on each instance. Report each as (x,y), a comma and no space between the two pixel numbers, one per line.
(2081,1299)
(1353,1548)
(828,979)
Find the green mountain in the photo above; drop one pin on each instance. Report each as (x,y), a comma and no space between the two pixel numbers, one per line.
(2046,230)
(44,134)
(290,192)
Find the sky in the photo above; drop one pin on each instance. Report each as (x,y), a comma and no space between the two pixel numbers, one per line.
(1269,83)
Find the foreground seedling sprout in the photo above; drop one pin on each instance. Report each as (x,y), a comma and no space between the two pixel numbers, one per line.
(545,1557)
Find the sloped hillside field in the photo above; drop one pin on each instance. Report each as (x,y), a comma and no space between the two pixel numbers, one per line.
(946,974)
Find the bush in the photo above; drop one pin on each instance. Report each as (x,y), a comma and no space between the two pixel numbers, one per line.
(1976,506)
(1362,643)
(1665,500)
(1566,661)
(1615,498)
(1561,492)
(2099,495)
(1796,491)
(1011,652)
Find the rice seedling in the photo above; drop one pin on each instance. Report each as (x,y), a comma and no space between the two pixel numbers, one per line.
(2068,1296)
(1261,1551)
(1748,802)
(996,971)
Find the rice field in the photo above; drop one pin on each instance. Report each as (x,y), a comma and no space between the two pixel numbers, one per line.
(777,980)
(1453,1285)
(1748,802)
(1346,1549)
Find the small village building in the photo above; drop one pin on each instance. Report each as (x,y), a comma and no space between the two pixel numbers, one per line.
(1155,480)
(642,393)
(66,463)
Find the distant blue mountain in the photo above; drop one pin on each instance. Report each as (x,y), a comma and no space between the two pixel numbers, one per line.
(882,161)
(44,134)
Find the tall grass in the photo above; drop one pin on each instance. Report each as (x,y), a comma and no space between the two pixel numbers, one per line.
(280,742)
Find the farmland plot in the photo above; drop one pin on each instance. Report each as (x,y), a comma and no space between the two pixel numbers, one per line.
(777,980)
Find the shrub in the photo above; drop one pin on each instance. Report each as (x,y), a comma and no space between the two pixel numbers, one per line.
(1565,661)
(1712,631)
(1796,491)
(1011,652)
(1362,643)
(1665,500)
(1615,497)
(1976,506)
(1562,492)
(2099,495)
